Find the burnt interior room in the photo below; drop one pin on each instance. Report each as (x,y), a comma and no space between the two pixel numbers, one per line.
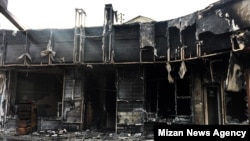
(214,42)
(130,98)
(126,41)
(159,92)
(174,42)
(161,40)
(236,107)
(236,102)
(100,100)
(39,93)
(189,40)
(167,100)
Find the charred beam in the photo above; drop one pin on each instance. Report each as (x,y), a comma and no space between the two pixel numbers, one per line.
(10,16)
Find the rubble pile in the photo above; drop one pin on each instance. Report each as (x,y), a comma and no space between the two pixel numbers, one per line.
(64,135)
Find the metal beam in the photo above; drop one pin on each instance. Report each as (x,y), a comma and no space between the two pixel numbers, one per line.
(11,18)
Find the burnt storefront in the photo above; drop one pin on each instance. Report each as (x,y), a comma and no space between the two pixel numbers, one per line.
(128,77)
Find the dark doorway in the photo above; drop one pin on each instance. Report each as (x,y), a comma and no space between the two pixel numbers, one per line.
(160,94)
(212,105)
(100,100)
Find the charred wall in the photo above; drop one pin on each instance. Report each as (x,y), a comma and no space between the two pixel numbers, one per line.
(130,99)
(130,75)
(127,43)
(201,33)
(93,45)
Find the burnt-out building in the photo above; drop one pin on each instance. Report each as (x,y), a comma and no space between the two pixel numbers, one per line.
(127,77)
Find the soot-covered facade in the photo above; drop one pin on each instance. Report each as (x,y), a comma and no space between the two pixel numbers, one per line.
(189,70)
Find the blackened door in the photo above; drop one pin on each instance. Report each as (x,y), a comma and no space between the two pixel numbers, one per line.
(212,105)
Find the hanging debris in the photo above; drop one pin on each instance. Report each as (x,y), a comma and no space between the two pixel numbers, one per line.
(25,56)
(234,80)
(49,51)
(182,70)
(170,78)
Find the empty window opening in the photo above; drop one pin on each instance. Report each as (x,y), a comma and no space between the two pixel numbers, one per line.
(174,41)
(189,39)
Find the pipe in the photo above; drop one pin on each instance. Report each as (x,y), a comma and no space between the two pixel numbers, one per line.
(11,18)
